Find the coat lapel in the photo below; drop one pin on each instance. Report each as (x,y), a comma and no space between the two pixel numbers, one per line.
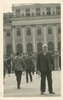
(44,57)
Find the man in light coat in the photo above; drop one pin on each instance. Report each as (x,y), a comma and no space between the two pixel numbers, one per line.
(18,66)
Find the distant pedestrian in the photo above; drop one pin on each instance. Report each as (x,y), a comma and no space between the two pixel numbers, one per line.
(29,68)
(4,70)
(9,69)
(9,66)
(18,66)
(45,67)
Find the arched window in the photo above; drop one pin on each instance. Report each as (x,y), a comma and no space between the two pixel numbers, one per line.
(9,49)
(59,46)
(39,46)
(29,48)
(28,31)
(50,46)
(18,32)
(19,48)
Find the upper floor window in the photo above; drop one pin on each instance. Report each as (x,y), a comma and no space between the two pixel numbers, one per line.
(17,12)
(18,32)
(48,11)
(22,14)
(8,33)
(59,30)
(58,10)
(39,32)
(32,14)
(49,31)
(53,12)
(37,11)
(43,13)
(27,12)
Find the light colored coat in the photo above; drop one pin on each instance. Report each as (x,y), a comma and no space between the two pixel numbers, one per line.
(18,64)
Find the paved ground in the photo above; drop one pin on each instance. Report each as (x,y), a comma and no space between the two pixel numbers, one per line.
(31,89)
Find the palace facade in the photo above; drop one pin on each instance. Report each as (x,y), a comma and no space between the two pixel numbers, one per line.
(31,25)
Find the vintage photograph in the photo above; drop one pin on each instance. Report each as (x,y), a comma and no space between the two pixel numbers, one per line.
(32,50)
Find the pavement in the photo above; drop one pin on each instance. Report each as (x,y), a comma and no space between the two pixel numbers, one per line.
(31,89)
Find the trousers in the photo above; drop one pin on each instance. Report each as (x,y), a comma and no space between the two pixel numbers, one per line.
(45,74)
(18,77)
(28,72)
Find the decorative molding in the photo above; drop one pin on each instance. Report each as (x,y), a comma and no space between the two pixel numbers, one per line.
(33,25)
(44,25)
(13,27)
(23,26)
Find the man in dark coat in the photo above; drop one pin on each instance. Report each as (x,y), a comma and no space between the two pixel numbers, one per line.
(45,67)
(29,67)
(18,66)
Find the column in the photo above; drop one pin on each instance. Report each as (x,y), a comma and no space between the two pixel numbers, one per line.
(13,39)
(34,38)
(45,35)
(23,39)
(56,58)
(55,37)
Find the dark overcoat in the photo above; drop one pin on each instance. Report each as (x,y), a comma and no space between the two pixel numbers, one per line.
(44,64)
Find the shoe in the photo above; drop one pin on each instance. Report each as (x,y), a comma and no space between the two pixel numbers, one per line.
(18,87)
(52,92)
(41,93)
(26,82)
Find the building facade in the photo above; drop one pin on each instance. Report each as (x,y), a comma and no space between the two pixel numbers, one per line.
(29,26)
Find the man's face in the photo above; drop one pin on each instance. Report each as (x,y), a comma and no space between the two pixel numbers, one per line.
(44,48)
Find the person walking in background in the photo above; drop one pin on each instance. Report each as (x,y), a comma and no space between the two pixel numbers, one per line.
(9,66)
(29,67)
(45,67)
(4,69)
(18,66)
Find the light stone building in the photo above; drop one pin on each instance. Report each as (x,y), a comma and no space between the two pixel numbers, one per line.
(31,25)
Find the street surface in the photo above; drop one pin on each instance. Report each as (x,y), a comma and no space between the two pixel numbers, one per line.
(31,89)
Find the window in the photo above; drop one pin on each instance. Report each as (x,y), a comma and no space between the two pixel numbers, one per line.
(32,13)
(37,11)
(50,46)
(27,12)
(39,32)
(8,33)
(39,46)
(9,49)
(18,32)
(29,48)
(48,11)
(43,13)
(19,48)
(49,31)
(22,14)
(58,10)
(28,31)
(59,30)
(53,12)
(17,12)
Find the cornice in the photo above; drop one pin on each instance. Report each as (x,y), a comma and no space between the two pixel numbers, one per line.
(35,17)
